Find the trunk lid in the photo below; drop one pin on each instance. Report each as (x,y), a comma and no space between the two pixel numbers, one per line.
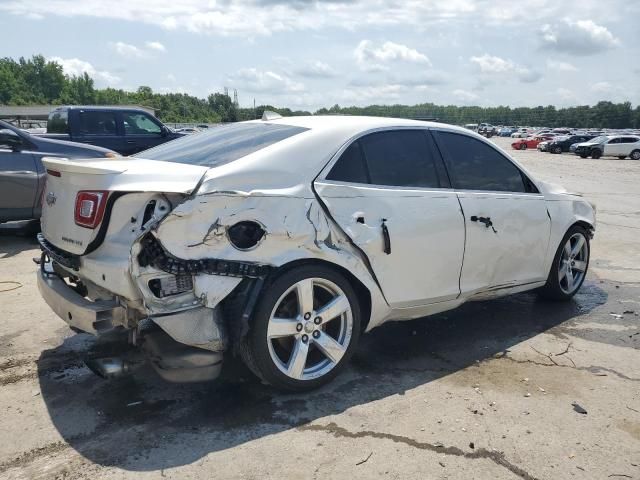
(66,178)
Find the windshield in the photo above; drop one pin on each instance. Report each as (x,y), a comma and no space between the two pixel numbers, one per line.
(220,145)
(601,139)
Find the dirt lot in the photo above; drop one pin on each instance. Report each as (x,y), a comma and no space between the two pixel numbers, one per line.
(494,390)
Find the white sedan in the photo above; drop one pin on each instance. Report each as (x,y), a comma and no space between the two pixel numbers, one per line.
(284,239)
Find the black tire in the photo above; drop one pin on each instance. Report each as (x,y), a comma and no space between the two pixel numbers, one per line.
(583,155)
(552,289)
(595,153)
(254,348)
(622,157)
(523,146)
(635,155)
(557,149)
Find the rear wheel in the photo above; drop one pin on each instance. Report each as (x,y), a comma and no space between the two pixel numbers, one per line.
(306,327)
(569,267)
(635,155)
(595,153)
(622,157)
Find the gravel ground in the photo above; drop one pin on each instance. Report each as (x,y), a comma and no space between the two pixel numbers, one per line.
(493,390)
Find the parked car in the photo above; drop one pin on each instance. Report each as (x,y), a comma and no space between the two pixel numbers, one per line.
(506,131)
(124,130)
(563,144)
(286,248)
(521,133)
(22,174)
(187,130)
(531,142)
(621,146)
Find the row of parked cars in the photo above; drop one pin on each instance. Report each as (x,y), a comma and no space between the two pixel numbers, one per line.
(594,144)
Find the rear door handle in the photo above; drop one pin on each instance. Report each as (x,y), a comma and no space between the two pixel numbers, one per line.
(485,220)
(386,237)
(131,141)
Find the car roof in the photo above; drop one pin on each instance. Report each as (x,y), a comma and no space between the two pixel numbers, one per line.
(95,107)
(354,122)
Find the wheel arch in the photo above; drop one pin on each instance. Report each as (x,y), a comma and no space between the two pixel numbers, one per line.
(363,293)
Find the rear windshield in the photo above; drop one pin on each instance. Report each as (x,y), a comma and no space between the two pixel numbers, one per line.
(220,145)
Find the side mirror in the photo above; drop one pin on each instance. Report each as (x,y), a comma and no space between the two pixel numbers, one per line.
(10,139)
(165,131)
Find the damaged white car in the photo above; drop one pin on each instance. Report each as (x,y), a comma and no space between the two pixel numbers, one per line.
(283,239)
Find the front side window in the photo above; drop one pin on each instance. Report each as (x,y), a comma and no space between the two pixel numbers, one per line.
(474,165)
(97,123)
(221,145)
(139,124)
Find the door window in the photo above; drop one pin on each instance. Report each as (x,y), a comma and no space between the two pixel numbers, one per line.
(97,123)
(140,124)
(474,165)
(401,158)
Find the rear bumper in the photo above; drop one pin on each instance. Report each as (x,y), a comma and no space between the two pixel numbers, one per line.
(91,317)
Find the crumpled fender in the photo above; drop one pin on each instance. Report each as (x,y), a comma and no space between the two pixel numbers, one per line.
(296,227)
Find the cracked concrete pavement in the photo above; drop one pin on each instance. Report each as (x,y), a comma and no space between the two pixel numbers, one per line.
(492,390)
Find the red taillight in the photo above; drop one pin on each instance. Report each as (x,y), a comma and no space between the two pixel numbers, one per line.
(90,208)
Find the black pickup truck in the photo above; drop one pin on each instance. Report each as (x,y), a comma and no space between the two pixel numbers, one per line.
(124,130)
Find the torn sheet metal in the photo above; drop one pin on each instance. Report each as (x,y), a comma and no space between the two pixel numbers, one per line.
(198,327)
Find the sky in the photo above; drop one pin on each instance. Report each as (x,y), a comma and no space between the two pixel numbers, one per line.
(306,54)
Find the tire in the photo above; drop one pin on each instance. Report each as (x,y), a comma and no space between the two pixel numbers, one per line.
(583,155)
(523,146)
(621,157)
(595,153)
(635,155)
(557,149)
(558,286)
(271,355)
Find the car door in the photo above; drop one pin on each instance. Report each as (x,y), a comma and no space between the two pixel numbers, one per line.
(18,183)
(612,147)
(99,127)
(506,219)
(141,132)
(389,192)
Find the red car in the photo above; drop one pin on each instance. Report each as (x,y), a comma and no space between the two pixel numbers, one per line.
(531,142)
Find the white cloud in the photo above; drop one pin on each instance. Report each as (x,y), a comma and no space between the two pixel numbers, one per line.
(561,66)
(157,46)
(128,50)
(581,37)
(492,65)
(260,81)
(75,66)
(372,58)
(465,96)
(316,69)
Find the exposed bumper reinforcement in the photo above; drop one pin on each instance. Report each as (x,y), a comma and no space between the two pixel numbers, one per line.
(91,317)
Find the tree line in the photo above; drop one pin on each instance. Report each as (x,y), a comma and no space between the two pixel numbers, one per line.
(39,81)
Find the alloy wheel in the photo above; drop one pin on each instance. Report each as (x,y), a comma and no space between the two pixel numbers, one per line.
(310,329)
(573,263)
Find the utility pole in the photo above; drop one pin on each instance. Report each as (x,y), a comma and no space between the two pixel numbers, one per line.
(254,108)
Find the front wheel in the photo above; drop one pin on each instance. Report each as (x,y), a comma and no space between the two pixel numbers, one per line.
(595,153)
(306,327)
(557,150)
(523,146)
(569,267)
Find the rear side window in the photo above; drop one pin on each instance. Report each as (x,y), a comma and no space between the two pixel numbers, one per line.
(400,158)
(97,123)
(58,122)
(350,167)
(220,145)
(474,165)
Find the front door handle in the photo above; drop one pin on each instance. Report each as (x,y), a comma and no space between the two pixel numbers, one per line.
(131,141)
(485,220)
(386,237)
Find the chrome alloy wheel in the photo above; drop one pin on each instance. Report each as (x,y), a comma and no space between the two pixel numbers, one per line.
(573,263)
(310,329)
